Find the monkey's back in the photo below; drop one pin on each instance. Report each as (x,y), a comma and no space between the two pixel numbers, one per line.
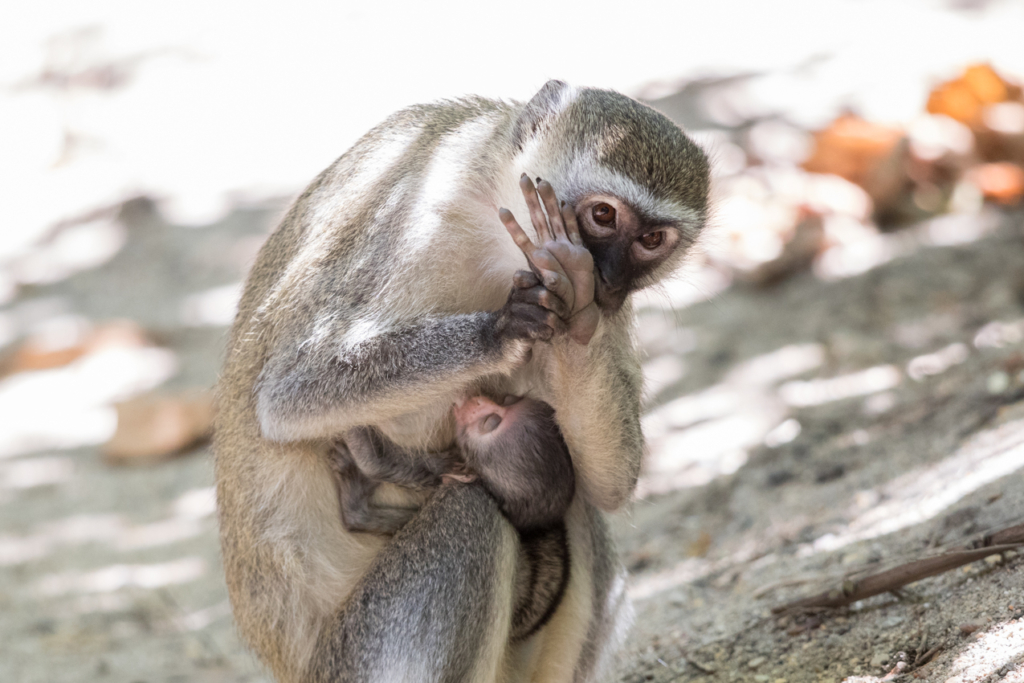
(332,263)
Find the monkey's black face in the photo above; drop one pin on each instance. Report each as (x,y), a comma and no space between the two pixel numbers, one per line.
(626,247)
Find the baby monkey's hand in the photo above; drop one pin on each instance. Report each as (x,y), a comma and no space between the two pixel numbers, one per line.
(562,264)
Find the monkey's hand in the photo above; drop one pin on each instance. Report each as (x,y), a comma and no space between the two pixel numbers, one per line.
(532,312)
(562,263)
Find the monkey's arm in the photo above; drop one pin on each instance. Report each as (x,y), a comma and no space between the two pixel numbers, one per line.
(311,389)
(596,393)
(595,375)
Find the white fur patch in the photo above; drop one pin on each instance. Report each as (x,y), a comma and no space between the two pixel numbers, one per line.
(360,331)
(366,173)
(445,180)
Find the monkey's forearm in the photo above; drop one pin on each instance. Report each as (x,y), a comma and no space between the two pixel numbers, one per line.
(315,390)
(596,395)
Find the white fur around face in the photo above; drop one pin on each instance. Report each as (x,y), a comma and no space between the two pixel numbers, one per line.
(582,177)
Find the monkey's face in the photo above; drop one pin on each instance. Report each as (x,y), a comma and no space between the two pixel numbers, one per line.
(628,248)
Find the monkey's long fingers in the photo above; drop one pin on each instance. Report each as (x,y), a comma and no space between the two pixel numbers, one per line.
(555,221)
(559,286)
(541,261)
(572,228)
(553,276)
(525,279)
(537,217)
(546,299)
(520,237)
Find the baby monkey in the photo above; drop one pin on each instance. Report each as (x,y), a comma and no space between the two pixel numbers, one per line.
(514,448)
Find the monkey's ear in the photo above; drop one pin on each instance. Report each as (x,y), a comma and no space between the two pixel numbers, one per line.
(548,101)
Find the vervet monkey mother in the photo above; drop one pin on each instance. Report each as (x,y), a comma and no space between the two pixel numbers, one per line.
(392,291)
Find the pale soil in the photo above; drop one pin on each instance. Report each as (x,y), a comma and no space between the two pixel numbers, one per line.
(940,466)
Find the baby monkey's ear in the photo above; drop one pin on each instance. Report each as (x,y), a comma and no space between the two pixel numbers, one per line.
(540,110)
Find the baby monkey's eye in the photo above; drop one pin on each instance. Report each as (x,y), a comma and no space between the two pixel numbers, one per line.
(652,240)
(603,213)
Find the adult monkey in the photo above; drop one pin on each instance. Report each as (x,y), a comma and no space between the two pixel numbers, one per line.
(381,299)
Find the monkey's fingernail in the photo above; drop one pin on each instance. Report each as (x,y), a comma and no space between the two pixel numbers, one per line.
(524,176)
(562,204)
(538,180)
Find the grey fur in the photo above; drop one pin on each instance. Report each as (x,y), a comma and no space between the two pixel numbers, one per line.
(435,602)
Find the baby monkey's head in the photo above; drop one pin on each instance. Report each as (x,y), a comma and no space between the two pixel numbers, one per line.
(517,449)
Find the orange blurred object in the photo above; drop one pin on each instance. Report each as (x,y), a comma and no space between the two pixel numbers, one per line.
(873,156)
(150,428)
(964,98)
(1002,182)
(40,353)
(852,148)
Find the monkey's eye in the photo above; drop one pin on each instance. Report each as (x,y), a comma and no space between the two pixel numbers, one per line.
(652,240)
(603,214)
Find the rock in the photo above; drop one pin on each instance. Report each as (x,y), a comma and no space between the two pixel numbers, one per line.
(969,627)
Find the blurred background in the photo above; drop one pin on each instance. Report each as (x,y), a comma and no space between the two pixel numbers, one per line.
(868,176)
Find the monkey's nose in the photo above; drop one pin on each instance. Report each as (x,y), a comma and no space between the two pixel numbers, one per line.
(612,285)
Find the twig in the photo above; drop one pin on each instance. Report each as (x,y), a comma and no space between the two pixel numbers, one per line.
(1013,535)
(852,591)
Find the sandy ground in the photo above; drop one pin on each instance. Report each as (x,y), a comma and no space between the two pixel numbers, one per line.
(874,477)
(889,402)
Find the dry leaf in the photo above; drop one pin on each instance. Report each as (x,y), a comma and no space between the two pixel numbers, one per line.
(873,156)
(150,428)
(797,255)
(981,98)
(852,148)
(700,546)
(965,97)
(41,352)
(1002,182)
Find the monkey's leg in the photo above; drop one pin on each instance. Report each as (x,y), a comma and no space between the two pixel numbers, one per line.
(436,604)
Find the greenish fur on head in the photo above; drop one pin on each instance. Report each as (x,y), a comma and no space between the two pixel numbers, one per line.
(642,144)
(622,135)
